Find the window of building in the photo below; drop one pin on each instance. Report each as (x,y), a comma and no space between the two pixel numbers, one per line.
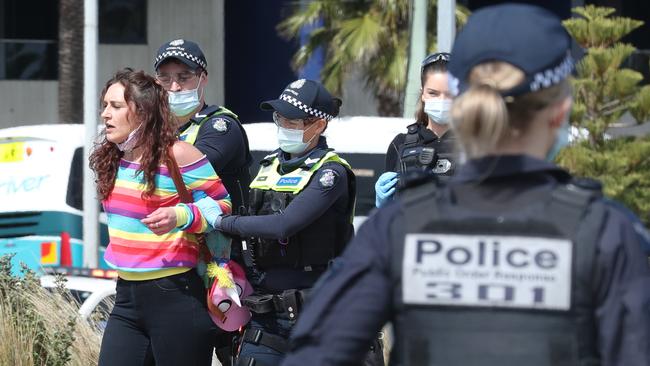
(122,21)
(28,40)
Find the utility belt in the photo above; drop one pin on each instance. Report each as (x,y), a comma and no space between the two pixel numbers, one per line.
(260,337)
(288,302)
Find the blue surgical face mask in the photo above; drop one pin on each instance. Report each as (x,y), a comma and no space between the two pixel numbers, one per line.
(184,102)
(290,140)
(438,110)
(131,141)
(561,140)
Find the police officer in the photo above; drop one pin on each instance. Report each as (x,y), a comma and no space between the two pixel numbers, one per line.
(428,146)
(513,262)
(181,68)
(301,210)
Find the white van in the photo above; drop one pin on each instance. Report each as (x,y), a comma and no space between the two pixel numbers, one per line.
(41,176)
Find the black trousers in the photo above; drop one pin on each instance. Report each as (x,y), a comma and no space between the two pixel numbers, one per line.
(163,321)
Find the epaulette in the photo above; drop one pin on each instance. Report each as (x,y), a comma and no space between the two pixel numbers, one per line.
(588,184)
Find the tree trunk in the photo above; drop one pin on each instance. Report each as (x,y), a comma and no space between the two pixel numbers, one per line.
(389,104)
(71,42)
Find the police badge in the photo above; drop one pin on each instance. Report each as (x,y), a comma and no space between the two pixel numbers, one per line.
(328,178)
(177,42)
(220,124)
(297,84)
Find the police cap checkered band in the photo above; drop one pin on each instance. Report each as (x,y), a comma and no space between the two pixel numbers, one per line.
(187,52)
(528,37)
(179,54)
(300,105)
(303,98)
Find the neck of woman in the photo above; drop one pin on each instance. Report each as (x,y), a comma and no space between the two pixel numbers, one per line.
(535,141)
(134,155)
(437,129)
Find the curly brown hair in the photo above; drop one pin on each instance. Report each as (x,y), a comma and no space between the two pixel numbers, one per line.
(158,132)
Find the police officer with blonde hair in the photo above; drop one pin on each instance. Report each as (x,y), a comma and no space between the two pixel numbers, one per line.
(514,261)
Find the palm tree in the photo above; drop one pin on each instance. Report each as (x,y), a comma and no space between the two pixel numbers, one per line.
(371,36)
(71,42)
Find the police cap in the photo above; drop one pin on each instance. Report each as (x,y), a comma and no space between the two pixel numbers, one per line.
(303,98)
(526,36)
(185,51)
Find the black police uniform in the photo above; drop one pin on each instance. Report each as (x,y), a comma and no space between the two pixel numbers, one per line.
(420,149)
(290,240)
(222,138)
(217,133)
(456,298)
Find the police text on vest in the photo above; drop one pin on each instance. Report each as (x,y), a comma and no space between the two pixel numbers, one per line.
(487,270)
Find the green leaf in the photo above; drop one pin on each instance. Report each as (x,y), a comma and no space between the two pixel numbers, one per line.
(359,37)
(597,29)
(593,12)
(291,26)
(623,165)
(600,60)
(640,105)
(317,38)
(577,113)
(333,75)
(622,83)
(386,72)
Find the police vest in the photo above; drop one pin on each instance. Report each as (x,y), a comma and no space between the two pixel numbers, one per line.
(318,243)
(508,288)
(191,132)
(236,178)
(415,157)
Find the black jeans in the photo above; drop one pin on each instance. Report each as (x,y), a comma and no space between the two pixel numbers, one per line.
(163,321)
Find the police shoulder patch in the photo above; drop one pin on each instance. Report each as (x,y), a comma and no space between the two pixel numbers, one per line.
(328,178)
(220,124)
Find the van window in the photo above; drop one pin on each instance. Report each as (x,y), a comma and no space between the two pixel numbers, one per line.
(74,196)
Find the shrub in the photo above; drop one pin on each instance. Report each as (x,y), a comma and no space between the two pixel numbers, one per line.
(38,327)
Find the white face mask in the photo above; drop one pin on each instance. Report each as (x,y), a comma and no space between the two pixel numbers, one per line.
(438,110)
(131,141)
(290,140)
(184,102)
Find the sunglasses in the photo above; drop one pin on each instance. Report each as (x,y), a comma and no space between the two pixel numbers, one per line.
(435,57)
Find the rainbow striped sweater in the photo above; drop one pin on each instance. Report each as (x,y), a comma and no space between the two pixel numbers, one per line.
(133,249)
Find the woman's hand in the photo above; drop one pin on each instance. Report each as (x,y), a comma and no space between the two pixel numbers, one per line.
(161,221)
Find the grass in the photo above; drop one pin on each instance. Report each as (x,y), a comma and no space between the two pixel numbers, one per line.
(39,327)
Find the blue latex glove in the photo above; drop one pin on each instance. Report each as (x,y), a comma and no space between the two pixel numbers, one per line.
(197,195)
(210,210)
(385,188)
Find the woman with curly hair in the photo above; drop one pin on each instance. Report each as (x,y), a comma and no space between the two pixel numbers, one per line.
(160,312)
